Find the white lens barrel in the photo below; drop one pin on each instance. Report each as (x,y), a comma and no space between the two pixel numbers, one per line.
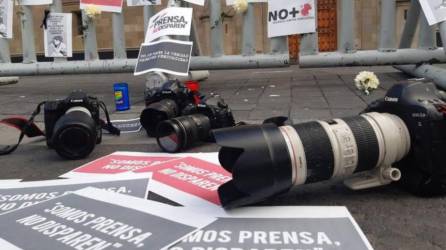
(344,146)
(393,137)
(297,155)
(339,148)
(79,109)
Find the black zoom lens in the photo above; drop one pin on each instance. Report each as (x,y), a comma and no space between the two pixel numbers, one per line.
(268,160)
(156,113)
(75,134)
(182,132)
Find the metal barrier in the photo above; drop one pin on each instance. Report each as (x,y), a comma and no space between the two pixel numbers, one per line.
(416,62)
(387,53)
(278,57)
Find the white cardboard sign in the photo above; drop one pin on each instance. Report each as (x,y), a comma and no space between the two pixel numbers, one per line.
(143,2)
(434,10)
(103,5)
(274,228)
(232,2)
(6,18)
(96,219)
(289,17)
(15,195)
(34,2)
(197,2)
(190,181)
(168,56)
(170,21)
(58,35)
(122,162)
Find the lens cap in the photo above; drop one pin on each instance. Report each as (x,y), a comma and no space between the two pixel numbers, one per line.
(258,158)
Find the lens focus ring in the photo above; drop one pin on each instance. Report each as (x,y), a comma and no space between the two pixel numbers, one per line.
(366,141)
(318,151)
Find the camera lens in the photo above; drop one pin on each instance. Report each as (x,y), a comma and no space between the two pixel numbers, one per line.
(156,113)
(268,160)
(75,134)
(182,132)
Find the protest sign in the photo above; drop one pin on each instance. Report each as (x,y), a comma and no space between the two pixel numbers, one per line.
(189,181)
(96,219)
(58,35)
(34,2)
(280,228)
(170,21)
(168,56)
(434,10)
(8,181)
(103,5)
(6,7)
(143,2)
(232,2)
(288,17)
(118,163)
(197,2)
(23,194)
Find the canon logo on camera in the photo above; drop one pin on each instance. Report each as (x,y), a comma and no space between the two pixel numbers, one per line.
(391,99)
(284,14)
(76,101)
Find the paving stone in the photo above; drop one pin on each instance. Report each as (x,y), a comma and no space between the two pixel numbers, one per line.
(299,115)
(297,83)
(375,95)
(310,102)
(329,82)
(276,93)
(241,106)
(264,113)
(347,103)
(325,76)
(303,77)
(234,100)
(306,91)
(240,115)
(348,79)
(338,91)
(340,113)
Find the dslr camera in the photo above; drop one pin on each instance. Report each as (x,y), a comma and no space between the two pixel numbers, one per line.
(72,125)
(164,103)
(195,125)
(400,138)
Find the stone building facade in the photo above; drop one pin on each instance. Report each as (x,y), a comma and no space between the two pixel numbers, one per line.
(367,14)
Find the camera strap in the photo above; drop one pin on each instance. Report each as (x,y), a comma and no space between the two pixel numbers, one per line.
(26,127)
(107,125)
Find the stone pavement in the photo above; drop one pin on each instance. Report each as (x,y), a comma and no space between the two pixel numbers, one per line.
(390,217)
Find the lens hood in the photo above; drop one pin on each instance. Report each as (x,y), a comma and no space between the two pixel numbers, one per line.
(74,135)
(258,158)
(156,113)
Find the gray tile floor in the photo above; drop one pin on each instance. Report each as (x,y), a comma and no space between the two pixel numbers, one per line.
(390,217)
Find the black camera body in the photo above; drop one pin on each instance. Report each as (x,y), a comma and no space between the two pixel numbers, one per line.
(216,109)
(73,125)
(423,109)
(173,90)
(164,103)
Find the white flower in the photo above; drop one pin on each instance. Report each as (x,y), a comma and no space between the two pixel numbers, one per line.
(367,82)
(241,6)
(92,11)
